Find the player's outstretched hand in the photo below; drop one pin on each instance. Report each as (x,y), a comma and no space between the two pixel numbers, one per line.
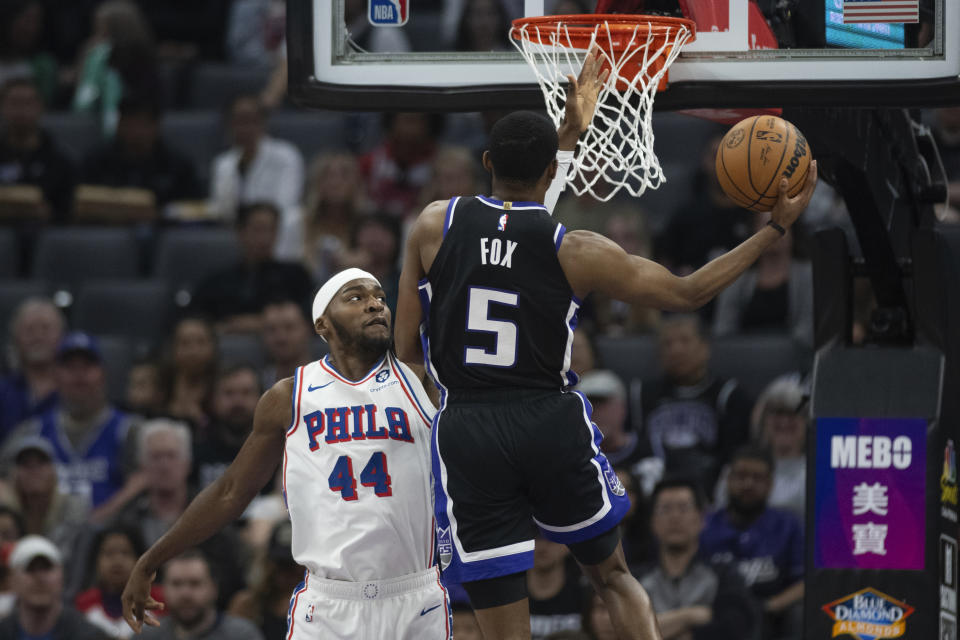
(788,209)
(137,602)
(582,94)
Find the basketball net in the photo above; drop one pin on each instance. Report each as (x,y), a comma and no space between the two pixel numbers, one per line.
(616,152)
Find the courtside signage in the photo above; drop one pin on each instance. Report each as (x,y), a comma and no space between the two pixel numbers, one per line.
(870,493)
(868,614)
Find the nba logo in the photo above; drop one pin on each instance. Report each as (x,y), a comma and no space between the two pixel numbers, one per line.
(309,615)
(387,13)
(503,222)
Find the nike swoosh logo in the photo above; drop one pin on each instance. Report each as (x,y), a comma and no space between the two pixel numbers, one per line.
(424,612)
(313,388)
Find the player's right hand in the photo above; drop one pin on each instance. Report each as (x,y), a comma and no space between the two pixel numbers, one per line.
(137,602)
(788,209)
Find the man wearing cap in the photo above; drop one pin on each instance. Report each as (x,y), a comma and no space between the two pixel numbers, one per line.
(353,433)
(89,437)
(38,583)
(35,493)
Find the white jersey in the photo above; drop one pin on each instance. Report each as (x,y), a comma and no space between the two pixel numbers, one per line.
(356,472)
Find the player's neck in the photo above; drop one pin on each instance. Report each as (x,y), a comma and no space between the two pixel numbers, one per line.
(507,191)
(354,363)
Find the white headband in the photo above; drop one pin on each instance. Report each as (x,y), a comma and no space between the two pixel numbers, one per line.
(334,284)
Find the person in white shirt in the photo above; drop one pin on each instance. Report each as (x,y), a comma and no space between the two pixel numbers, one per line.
(257,168)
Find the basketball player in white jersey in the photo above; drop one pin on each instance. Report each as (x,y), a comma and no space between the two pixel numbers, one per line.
(353,433)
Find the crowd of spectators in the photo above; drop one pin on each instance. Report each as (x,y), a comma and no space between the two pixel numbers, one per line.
(93,471)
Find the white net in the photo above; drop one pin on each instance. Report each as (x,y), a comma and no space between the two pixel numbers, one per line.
(616,152)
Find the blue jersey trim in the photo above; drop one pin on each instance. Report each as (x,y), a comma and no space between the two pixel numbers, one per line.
(448,218)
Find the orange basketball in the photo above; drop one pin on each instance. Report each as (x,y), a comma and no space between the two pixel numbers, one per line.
(755,154)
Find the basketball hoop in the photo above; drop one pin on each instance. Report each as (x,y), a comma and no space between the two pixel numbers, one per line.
(616,151)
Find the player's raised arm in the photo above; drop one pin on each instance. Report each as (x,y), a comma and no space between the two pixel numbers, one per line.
(592,262)
(422,245)
(217,505)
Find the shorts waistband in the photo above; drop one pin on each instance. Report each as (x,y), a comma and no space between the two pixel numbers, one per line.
(373,589)
(498,396)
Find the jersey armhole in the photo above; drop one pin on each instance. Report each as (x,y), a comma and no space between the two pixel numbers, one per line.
(448,218)
(558,234)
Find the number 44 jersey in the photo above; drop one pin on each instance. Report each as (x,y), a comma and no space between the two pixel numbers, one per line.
(356,472)
(499,310)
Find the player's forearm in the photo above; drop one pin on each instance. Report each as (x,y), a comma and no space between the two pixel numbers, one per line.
(706,282)
(214,508)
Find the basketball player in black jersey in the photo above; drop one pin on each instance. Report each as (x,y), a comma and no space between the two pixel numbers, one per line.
(496,284)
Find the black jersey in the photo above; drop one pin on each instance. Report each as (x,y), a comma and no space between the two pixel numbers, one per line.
(499,310)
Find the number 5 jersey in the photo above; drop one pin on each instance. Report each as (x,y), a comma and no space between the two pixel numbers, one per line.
(356,472)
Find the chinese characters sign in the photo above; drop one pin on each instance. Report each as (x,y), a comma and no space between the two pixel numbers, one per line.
(869,499)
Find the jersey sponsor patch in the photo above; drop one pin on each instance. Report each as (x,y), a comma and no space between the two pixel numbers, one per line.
(383,375)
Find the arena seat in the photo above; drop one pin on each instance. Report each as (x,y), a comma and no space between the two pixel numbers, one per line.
(67,257)
(755,360)
(679,137)
(118,357)
(239,348)
(77,134)
(185,256)
(630,358)
(197,134)
(13,292)
(9,254)
(310,131)
(213,86)
(127,308)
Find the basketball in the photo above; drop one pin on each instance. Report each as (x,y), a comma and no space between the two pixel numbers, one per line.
(755,154)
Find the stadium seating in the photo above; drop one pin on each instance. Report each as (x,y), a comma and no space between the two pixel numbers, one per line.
(9,254)
(197,134)
(213,86)
(66,257)
(128,308)
(76,134)
(186,256)
(311,131)
(118,356)
(241,349)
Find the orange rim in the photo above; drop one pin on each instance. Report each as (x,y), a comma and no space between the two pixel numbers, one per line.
(579,29)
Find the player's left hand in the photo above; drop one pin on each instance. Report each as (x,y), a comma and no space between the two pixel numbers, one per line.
(137,602)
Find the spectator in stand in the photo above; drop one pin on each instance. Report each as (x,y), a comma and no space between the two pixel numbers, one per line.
(190,587)
(635,526)
(614,317)
(287,338)
(165,454)
(89,436)
(608,397)
(783,428)
(277,575)
(483,26)
(706,226)
(144,394)
(190,368)
(256,168)
(11,530)
(320,236)
(775,295)
(691,419)
(35,333)
(694,598)
(256,32)
(118,62)
(455,172)
(556,595)
(235,396)
(764,543)
(465,625)
(37,569)
(34,492)
(236,296)
(112,555)
(397,171)
(375,247)
(139,158)
(21,54)
(30,156)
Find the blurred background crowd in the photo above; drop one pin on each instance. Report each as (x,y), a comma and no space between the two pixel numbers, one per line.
(165,217)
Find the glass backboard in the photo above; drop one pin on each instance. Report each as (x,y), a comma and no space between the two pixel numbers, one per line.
(457,55)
